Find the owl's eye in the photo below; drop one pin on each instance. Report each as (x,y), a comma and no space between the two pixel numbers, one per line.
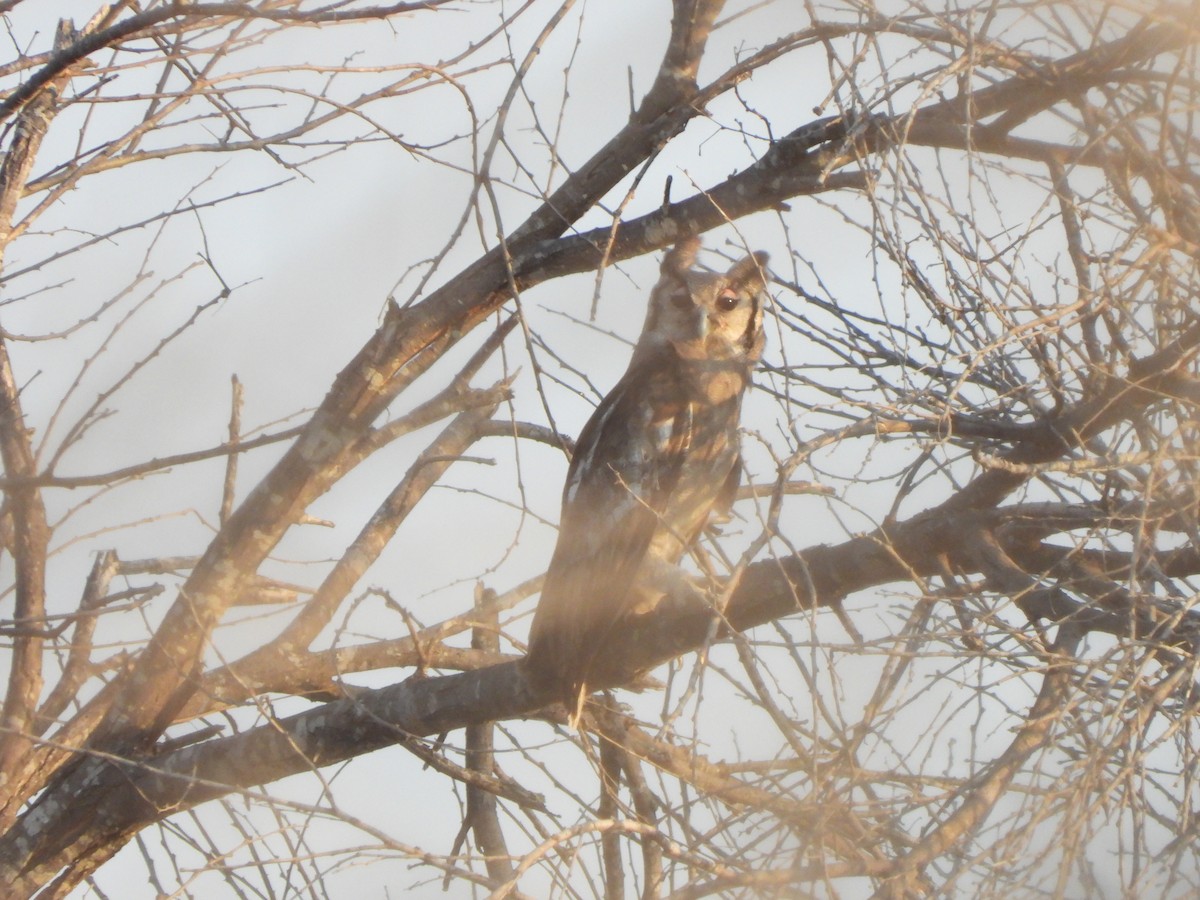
(728,300)
(682,298)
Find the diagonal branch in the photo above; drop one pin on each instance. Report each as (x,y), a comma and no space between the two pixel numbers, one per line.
(981,794)
(67,55)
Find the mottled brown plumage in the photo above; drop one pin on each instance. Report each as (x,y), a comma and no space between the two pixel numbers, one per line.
(657,458)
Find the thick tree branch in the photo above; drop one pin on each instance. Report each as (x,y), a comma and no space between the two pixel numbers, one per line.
(371,720)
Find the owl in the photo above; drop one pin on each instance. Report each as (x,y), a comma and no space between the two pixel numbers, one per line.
(658,458)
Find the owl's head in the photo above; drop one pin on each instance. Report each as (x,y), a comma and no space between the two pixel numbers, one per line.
(705,315)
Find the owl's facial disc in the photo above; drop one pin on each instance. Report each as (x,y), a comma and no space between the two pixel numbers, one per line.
(693,330)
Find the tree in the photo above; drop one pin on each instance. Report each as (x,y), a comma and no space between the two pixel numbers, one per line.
(946,645)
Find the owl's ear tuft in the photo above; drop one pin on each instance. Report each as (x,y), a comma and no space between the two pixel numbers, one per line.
(679,259)
(750,273)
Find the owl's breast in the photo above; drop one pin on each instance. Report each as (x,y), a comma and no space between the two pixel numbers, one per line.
(705,439)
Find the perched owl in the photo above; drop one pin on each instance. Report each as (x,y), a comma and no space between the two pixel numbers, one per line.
(658,457)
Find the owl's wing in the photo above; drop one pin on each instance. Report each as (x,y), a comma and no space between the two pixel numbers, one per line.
(626,464)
